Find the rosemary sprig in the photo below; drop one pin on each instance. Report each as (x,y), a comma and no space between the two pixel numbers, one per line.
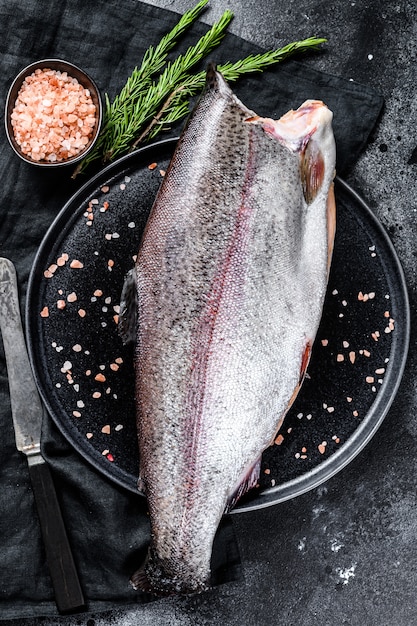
(141,98)
(158,93)
(177,104)
(152,62)
(116,113)
(148,102)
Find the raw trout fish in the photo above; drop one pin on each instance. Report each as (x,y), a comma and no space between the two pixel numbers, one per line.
(230,280)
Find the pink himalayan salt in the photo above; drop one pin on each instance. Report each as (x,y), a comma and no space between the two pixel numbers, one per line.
(54,116)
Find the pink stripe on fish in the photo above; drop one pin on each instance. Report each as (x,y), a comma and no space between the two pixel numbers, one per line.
(228,282)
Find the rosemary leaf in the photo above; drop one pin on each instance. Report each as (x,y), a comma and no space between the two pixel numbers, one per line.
(158,93)
(139,81)
(193,84)
(154,59)
(146,106)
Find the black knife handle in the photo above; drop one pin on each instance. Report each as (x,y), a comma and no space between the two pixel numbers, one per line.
(64,576)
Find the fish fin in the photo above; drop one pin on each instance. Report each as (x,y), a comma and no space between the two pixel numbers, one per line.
(141,485)
(216,81)
(305,359)
(212,76)
(153,578)
(139,579)
(312,169)
(249,482)
(331,225)
(127,313)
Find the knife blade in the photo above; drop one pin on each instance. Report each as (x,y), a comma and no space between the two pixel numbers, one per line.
(27,413)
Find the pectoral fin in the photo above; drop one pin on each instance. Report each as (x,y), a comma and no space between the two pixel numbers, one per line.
(128,309)
(250,481)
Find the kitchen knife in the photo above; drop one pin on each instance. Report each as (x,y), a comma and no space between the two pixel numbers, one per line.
(27,412)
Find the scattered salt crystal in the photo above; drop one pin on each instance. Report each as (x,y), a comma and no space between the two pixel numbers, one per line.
(322,447)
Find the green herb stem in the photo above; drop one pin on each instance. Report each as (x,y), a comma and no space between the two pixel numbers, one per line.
(153,61)
(158,93)
(146,106)
(177,104)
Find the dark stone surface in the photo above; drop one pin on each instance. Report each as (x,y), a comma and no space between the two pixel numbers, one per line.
(344,553)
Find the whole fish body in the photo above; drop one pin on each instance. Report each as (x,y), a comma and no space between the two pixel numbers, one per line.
(230,277)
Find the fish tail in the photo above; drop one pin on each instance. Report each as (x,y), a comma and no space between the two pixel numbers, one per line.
(154,577)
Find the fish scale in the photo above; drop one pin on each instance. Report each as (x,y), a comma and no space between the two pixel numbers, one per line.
(230,277)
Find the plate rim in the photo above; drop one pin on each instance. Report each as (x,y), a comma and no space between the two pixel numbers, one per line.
(290,489)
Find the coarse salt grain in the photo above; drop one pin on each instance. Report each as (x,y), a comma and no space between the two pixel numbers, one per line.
(322,447)
(54,116)
(76,264)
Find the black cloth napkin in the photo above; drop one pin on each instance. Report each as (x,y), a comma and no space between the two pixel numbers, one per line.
(107,526)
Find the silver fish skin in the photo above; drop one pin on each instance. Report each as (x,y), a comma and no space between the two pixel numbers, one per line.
(231,276)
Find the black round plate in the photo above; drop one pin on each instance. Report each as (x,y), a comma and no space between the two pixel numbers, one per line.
(85,374)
